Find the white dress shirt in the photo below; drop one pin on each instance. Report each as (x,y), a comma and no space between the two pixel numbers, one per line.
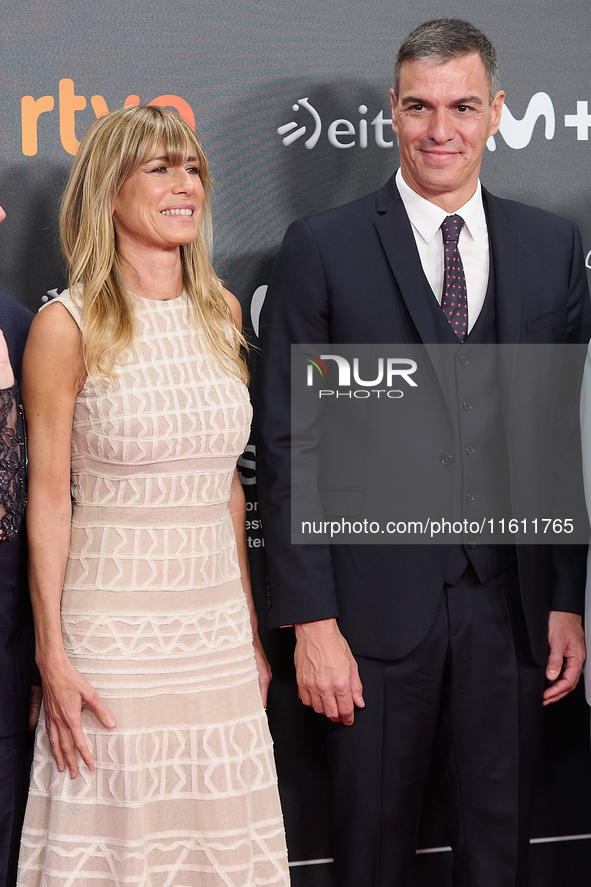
(426,219)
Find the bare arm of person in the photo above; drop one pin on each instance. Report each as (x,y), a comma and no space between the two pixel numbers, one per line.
(237,507)
(235,308)
(53,374)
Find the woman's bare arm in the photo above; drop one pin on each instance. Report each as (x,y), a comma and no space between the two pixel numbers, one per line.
(238,512)
(53,375)
(237,507)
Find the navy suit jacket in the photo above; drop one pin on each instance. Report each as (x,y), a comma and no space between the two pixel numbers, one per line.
(353,275)
(17,667)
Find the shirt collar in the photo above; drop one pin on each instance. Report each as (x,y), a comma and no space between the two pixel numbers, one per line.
(426,217)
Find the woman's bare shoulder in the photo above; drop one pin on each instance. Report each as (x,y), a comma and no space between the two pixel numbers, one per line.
(234,306)
(54,347)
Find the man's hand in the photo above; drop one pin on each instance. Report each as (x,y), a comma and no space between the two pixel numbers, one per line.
(327,673)
(567,654)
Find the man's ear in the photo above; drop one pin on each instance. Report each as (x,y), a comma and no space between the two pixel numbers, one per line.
(497,107)
(394,102)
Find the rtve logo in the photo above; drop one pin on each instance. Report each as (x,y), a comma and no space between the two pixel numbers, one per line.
(69,103)
(343,133)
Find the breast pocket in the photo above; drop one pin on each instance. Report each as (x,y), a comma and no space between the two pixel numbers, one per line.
(551,318)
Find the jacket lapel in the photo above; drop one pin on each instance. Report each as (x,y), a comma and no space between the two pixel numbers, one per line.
(395,232)
(505,251)
(396,235)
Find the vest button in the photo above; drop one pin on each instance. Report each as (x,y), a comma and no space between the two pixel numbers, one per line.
(470,497)
(447,458)
(469,450)
(464,360)
(467,405)
(471,544)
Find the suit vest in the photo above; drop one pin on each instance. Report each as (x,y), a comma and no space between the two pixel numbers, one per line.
(481,467)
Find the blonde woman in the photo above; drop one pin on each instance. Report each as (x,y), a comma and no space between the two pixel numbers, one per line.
(153,762)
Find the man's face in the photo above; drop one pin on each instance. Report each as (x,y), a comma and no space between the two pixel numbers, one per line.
(443,117)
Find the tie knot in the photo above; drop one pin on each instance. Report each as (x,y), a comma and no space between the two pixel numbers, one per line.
(451,227)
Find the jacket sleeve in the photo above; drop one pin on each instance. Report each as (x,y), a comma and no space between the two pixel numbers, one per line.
(296,310)
(570,560)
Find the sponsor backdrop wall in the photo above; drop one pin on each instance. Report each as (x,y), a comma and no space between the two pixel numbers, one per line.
(291,101)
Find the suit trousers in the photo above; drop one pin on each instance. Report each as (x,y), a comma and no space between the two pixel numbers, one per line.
(15,762)
(471,691)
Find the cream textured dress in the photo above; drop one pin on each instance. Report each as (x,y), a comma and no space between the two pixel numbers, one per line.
(184,790)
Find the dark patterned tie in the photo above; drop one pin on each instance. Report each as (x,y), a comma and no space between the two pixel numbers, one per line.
(454,301)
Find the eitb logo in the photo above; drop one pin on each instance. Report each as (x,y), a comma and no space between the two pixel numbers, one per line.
(361,128)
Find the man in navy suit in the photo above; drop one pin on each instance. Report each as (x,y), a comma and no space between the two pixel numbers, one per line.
(402,645)
(19,697)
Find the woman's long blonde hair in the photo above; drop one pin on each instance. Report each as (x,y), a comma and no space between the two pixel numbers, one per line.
(112,149)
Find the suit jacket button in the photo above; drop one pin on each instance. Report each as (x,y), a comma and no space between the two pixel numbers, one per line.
(471,544)
(447,458)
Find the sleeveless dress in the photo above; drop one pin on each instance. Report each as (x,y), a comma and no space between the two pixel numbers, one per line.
(184,791)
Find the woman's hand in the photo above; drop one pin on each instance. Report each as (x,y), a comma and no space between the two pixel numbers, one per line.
(263,668)
(65,694)
(6,374)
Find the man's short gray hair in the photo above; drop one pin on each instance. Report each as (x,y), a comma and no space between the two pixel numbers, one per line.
(443,39)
